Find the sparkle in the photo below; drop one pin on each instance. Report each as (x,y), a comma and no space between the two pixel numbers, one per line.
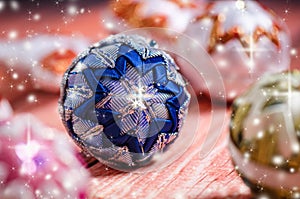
(37,192)
(109,25)
(55,168)
(251,50)
(232,94)
(72,10)
(260,134)
(278,160)
(292,170)
(246,156)
(296,195)
(286,11)
(293,52)
(31,98)
(256,121)
(13,34)
(26,153)
(223,63)
(15,76)
(2,5)
(138,97)
(36,17)
(82,10)
(14,5)
(296,148)
(220,48)
(48,177)
(240,4)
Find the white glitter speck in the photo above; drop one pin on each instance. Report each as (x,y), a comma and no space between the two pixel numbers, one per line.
(277,160)
(109,25)
(2,5)
(292,170)
(72,10)
(15,76)
(293,52)
(15,5)
(31,98)
(240,4)
(13,34)
(260,134)
(48,177)
(256,121)
(36,17)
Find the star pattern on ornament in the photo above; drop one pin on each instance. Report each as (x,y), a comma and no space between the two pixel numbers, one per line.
(137,100)
(134,101)
(138,97)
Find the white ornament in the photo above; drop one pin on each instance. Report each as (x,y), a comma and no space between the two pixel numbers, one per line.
(245,41)
(29,55)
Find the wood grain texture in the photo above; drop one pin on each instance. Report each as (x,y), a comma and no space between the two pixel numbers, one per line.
(190,176)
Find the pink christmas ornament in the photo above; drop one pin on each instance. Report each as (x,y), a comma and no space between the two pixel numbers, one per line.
(38,162)
(245,41)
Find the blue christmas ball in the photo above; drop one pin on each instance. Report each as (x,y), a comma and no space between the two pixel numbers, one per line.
(123,100)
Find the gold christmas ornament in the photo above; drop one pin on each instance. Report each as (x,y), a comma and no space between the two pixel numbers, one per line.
(265,135)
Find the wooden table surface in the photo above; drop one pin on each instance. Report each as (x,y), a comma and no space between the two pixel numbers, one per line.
(192,175)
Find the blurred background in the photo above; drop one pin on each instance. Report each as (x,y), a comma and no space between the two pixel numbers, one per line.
(23,20)
(30,76)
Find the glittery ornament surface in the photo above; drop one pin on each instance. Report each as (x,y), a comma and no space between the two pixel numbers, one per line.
(123,100)
(37,161)
(244,39)
(265,134)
